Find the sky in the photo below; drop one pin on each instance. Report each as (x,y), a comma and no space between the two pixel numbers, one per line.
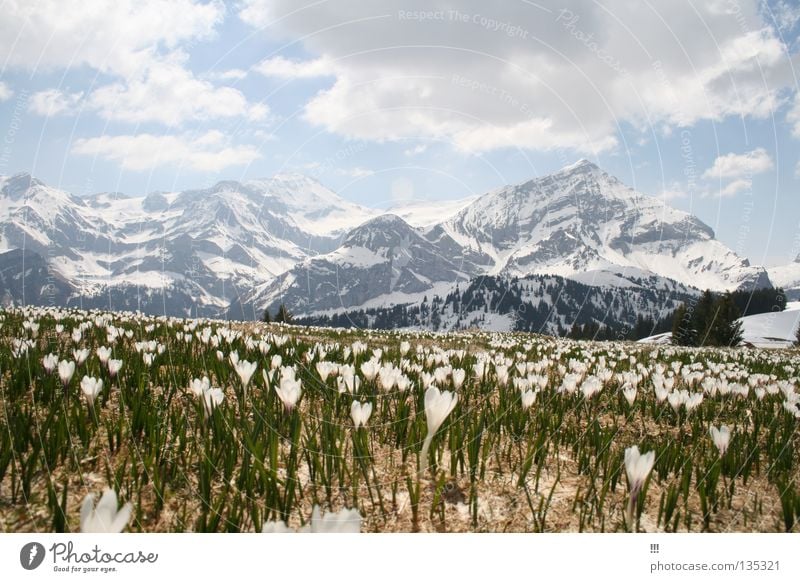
(694,102)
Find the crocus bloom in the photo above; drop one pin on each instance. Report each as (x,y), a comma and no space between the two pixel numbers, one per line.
(325,369)
(65,371)
(360,413)
(370,370)
(343,521)
(80,355)
(629,392)
(91,387)
(199,385)
(637,467)
(212,398)
(438,406)
(114,366)
(289,391)
(528,398)
(721,437)
(458,377)
(50,363)
(105,518)
(103,354)
(245,370)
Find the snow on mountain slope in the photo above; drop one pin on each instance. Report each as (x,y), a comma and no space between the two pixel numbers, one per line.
(288,238)
(310,205)
(788,277)
(582,219)
(381,258)
(775,329)
(765,330)
(213,243)
(424,213)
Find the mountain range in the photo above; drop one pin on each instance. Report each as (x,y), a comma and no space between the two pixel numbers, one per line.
(237,248)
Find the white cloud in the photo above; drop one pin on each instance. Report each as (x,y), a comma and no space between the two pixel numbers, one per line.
(119,37)
(738,165)
(736,186)
(207,152)
(785,13)
(230,75)
(170,94)
(54,102)
(510,74)
(5,92)
(141,44)
(286,69)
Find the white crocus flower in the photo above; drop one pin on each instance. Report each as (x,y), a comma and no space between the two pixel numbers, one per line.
(81,356)
(360,413)
(721,437)
(289,391)
(528,398)
(245,370)
(212,398)
(103,353)
(459,376)
(199,385)
(343,521)
(65,371)
(438,406)
(91,388)
(114,366)
(370,370)
(105,518)
(50,363)
(675,400)
(637,468)
(279,527)
(629,392)
(325,369)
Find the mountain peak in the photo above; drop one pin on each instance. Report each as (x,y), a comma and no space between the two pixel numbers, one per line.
(382,231)
(582,165)
(16,185)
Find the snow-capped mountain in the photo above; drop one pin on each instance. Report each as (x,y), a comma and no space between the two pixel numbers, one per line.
(385,258)
(200,247)
(579,223)
(788,277)
(425,213)
(582,219)
(243,246)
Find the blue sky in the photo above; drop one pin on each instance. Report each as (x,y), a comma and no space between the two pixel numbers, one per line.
(386,101)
